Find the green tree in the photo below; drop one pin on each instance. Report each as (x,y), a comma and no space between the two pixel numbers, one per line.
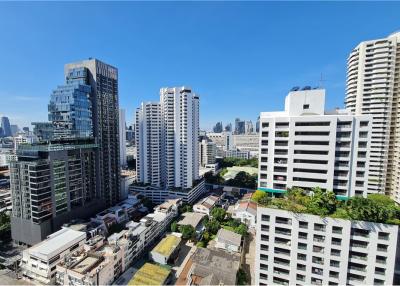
(188,231)
(258,195)
(241,229)
(212,226)
(321,202)
(218,214)
(241,277)
(174,226)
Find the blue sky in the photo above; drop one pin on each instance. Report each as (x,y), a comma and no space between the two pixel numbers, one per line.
(240,57)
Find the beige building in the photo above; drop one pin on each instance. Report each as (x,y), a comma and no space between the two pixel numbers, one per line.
(373,88)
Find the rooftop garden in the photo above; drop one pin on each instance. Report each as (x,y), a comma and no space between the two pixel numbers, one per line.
(374,208)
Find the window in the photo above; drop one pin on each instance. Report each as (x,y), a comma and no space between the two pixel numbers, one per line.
(334,263)
(303,224)
(306,106)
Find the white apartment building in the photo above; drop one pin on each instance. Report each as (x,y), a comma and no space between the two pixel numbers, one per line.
(148,143)
(208,152)
(180,137)
(167,135)
(39,262)
(373,88)
(306,147)
(303,249)
(122,138)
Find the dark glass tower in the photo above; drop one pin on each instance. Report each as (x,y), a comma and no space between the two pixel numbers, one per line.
(103,80)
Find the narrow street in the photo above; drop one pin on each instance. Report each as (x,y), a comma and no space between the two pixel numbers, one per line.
(249,256)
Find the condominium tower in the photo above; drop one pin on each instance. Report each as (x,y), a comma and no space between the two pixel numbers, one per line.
(306,147)
(167,135)
(103,80)
(180,136)
(373,88)
(148,142)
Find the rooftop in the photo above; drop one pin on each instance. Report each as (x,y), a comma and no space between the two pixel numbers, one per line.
(167,245)
(209,201)
(192,219)
(150,274)
(86,264)
(214,267)
(229,237)
(56,243)
(247,206)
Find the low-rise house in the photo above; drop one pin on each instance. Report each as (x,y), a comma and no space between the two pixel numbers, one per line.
(206,205)
(212,267)
(151,274)
(246,212)
(193,219)
(228,240)
(165,249)
(39,261)
(85,269)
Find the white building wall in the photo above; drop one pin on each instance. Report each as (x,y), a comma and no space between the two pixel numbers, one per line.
(148,140)
(303,148)
(180,133)
(293,248)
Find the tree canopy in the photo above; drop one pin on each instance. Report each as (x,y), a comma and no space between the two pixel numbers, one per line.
(375,208)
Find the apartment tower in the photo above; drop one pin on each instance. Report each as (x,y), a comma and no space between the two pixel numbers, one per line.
(373,88)
(180,137)
(306,147)
(148,142)
(103,79)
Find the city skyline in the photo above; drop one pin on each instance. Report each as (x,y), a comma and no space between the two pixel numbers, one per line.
(221,75)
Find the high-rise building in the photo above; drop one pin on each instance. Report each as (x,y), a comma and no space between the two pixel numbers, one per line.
(304,249)
(5,125)
(122,137)
(373,88)
(148,142)
(70,107)
(103,80)
(180,136)
(306,147)
(208,152)
(51,184)
(258,124)
(77,172)
(218,127)
(167,136)
(44,131)
(240,126)
(248,129)
(228,127)
(14,129)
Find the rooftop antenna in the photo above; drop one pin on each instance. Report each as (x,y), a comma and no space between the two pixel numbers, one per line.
(321,81)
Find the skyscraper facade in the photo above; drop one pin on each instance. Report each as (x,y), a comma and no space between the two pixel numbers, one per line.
(180,136)
(218,127)
(373,88)
(70,107)
(51,184)
(167,135)
(122,138)
(148,142)
(5,125)
(76,172)
(103,79)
